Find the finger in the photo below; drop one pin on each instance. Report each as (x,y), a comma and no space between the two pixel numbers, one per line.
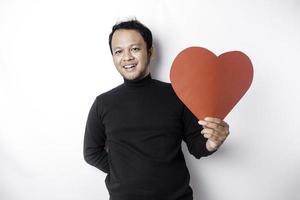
(207,130)
(213,138)
(213,119)
(225,124)
(217,121)
(214,126)
(213,134)
(208,124)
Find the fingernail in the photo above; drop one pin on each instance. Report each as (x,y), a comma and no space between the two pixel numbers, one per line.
(201,122)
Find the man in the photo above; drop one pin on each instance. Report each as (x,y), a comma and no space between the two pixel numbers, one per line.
(142,123)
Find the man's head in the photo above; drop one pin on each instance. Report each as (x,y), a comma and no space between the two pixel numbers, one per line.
(130,44)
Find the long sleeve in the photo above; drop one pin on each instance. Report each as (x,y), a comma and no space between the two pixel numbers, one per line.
(192,136)
(143,123)
(94,139)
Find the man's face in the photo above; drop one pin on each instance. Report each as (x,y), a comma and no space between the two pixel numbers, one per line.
(130,54)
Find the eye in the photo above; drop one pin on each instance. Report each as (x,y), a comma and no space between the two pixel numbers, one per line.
(135,49)
(117,52)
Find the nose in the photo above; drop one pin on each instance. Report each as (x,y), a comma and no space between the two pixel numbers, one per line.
(127,55)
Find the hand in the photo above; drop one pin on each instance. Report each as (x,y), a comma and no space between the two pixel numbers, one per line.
(215,130)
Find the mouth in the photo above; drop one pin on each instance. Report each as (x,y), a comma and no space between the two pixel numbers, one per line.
(129,67)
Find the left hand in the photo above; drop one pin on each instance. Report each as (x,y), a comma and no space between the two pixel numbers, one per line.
(215,130)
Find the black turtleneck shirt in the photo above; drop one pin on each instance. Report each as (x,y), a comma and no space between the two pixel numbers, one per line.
(134,133)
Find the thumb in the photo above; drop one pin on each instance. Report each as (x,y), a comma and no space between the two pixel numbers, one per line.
(212,144)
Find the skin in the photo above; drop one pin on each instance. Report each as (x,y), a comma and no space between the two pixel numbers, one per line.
(215,130)
(129,48)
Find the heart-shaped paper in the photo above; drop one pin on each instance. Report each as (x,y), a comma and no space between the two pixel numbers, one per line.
(210,85)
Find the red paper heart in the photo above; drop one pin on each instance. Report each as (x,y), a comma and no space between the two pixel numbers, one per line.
(210,85)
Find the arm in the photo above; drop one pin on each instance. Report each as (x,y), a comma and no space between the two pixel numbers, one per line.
(94,139)
(192,136)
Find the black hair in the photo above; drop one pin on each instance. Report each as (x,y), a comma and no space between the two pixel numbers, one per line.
(133,25)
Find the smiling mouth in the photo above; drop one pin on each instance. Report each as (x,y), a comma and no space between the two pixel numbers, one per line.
(129,66)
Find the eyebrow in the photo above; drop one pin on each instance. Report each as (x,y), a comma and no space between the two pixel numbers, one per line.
(136,44)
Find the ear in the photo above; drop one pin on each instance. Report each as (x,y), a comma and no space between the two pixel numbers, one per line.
(150,53)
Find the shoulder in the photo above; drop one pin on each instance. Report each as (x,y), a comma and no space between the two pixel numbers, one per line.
(167,92)
(165,86)
(110,93)
(162,84)
(104,99)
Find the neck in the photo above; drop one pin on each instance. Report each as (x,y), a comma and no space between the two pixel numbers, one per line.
(138,82)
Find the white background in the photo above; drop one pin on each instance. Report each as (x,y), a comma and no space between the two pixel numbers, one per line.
(55,59)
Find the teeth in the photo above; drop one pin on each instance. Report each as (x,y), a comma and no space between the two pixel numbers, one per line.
(128,66)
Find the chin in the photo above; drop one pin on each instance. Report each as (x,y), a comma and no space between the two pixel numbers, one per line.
(137,74)
(131,76)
